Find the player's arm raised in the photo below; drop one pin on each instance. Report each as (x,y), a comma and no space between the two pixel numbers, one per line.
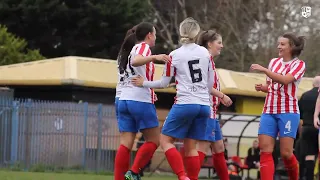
(168,72)
(295,73)
(144,56)
(159,84)
(264,87)
(140,60)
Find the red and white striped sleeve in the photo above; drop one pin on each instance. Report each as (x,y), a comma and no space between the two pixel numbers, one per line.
(212,63)
(168,70)
(211,72)
(297,69)
(270,68)
(143,49)
(215,74)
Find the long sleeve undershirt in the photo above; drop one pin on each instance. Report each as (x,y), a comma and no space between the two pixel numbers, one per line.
(158,84)
(165,81)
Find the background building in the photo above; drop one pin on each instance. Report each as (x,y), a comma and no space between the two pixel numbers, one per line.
(85,134)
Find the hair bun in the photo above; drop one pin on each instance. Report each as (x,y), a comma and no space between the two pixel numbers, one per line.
(188,29)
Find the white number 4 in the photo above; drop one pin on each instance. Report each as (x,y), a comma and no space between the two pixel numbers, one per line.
(288,126)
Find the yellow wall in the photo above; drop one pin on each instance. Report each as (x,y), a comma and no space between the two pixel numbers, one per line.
(249,105)
(243,105)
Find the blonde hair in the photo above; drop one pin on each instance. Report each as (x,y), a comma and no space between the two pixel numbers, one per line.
(189,29)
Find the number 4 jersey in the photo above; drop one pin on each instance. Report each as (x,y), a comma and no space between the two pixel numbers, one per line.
(131,92)
(192,67)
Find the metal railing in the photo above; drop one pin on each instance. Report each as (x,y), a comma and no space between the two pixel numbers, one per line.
(74,135)
(58,134)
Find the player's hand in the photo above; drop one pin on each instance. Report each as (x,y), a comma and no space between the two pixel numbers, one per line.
(163,58)
(257,67)
(225,100)
(258,87)
(258,165)
(316,122)
(137,81)
(155,97)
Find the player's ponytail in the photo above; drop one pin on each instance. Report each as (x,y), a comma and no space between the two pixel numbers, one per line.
(301,43)
(189,29)
(127,45)
(201,39)
(207,36)
(297,43)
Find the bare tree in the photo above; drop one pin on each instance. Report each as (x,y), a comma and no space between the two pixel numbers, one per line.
(250,28)
(285,17)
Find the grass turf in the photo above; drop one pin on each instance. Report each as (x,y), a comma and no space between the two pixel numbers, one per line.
(15,175)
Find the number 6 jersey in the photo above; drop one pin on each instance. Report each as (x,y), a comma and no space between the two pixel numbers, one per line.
(191,65)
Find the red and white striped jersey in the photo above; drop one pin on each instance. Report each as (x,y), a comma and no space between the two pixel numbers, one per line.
(214,100)
(283,98)
(131,92)
(192,68)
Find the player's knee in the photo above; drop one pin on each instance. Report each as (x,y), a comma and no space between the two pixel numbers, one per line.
(152,135)
(155,141)
(153,138)
(266,147)
(266,143)
(127,144)
(218,147)
(127,139)
(286,153)
(191,152)
(203,146)
(166,142)
(190,147)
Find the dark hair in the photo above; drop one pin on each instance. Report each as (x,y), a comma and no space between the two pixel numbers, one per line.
(296,43)
(207,36)
(126,47)
(142,30)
